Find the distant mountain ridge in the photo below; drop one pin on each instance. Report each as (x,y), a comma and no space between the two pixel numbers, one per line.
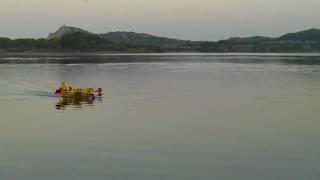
(68,38)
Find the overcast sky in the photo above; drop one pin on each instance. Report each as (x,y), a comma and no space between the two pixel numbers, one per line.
(184,19)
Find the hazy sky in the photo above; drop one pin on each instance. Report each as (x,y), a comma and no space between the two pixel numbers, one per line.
(184,19)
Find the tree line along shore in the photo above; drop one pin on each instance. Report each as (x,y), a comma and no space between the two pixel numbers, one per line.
(74,39)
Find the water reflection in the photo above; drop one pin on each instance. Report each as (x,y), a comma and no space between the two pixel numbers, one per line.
(96,58)
(76,102)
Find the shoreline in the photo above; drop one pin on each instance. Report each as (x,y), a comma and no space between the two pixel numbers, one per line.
(103,53)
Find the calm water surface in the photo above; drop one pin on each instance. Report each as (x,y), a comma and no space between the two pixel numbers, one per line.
(163,117)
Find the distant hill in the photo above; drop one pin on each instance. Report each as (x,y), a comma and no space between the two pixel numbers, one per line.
(66,30)
(308,35)
(84,41)
(73,38)
(303,41)
(140,39)
(68,38)
(143,39)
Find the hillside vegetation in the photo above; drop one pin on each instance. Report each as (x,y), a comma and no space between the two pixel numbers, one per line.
(75,39)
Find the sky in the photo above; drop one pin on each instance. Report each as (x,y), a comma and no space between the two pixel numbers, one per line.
(182,19)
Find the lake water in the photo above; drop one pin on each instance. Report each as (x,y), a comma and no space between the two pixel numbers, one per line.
(162,117)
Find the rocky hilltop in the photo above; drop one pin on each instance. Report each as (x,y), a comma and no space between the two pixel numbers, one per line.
(65,30)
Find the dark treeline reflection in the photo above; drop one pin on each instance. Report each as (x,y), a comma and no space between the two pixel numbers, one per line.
(81,58)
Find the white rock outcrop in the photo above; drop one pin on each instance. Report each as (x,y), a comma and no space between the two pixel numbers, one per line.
(64,30)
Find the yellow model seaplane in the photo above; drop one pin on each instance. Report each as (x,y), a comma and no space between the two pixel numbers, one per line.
(66,91)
